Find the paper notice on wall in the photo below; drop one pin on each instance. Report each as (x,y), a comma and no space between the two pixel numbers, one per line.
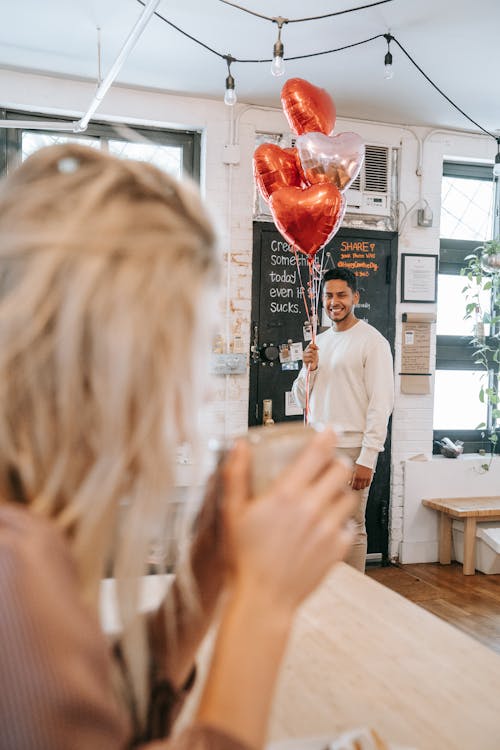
(415,356)
(296,351)
(419,385)
(292,409)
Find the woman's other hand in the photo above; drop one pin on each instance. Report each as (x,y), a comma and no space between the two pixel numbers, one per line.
(279,546)
(283,542)
(207,549)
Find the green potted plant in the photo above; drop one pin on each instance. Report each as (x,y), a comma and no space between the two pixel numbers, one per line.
(483,274)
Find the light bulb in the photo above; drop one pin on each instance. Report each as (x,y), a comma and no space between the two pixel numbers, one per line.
(230,97)
(278,65)
(388,71)
(496,166)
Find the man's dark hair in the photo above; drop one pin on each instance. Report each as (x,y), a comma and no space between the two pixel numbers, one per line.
(343,274)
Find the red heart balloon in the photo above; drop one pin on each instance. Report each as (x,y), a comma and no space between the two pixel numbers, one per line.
(308,108)
(307,218)
(296,156)
(275,168)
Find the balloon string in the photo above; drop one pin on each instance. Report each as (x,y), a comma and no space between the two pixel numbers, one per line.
(314,323)
(305,305)
(319,279)
(311,324)
(311,308)
(301,284)
(314,295)
(306,410)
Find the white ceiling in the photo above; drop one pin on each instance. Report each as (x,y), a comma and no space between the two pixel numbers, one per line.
(456,42)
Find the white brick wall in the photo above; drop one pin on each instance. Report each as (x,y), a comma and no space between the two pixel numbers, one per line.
(229,192)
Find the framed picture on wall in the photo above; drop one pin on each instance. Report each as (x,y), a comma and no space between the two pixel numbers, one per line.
(418,277)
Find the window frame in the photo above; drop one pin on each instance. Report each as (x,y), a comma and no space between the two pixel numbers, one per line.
(455,352)
(188,140)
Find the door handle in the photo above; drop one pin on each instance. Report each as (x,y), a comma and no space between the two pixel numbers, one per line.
(388,269)
(254,344)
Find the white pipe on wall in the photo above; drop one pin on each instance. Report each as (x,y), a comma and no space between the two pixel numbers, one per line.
(39,125)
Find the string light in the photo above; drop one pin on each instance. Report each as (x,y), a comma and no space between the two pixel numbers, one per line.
(388,37)
(277,65)
(230,97)
(496,166)
(388,70)
(307,18)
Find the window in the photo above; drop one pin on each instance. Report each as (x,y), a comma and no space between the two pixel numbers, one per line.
(175,151)
(467,203)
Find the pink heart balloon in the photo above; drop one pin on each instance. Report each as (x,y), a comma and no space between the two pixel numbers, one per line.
(336,159)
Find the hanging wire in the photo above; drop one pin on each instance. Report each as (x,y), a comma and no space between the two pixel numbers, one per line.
(324,52)
(337,49)
(440,91)
(309,18)
(185,33)
(260,59)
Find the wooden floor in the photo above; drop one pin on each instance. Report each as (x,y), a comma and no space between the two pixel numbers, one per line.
(470,603)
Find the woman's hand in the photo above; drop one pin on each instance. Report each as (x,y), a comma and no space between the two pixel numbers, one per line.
(191,623)
(207,548)
(283,542)
(279,546)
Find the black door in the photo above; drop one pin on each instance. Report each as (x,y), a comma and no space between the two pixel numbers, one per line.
(278,317)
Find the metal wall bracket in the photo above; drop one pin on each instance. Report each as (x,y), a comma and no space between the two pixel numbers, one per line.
(228,364)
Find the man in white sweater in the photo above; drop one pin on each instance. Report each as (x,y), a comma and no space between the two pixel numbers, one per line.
(352,388)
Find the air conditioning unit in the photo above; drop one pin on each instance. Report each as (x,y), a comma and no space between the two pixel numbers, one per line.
(370,193)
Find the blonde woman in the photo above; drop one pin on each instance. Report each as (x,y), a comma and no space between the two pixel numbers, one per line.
(107,273)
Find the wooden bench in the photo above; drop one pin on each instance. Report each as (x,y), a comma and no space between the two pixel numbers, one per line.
(470,510)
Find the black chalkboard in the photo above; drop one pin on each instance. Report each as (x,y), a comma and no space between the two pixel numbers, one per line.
(278,316)
(278,311)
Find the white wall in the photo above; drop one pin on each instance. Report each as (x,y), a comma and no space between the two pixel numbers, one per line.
(229,192)
(441,477)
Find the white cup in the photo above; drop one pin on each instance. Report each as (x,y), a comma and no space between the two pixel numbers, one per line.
(274,447)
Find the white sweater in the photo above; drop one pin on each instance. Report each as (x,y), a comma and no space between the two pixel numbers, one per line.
(352,389)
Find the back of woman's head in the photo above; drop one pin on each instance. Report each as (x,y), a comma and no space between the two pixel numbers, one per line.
(104,265)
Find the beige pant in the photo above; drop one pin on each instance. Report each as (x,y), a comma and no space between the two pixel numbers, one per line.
(356,557)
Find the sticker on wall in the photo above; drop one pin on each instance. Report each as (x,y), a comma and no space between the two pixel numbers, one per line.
(296,351)
(285,355)
(286,359)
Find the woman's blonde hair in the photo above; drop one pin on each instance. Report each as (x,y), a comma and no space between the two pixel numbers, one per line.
(103,268)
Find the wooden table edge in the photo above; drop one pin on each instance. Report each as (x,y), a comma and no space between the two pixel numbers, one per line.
(491,513)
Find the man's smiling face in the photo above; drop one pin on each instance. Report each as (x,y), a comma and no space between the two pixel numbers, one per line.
(339,300)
